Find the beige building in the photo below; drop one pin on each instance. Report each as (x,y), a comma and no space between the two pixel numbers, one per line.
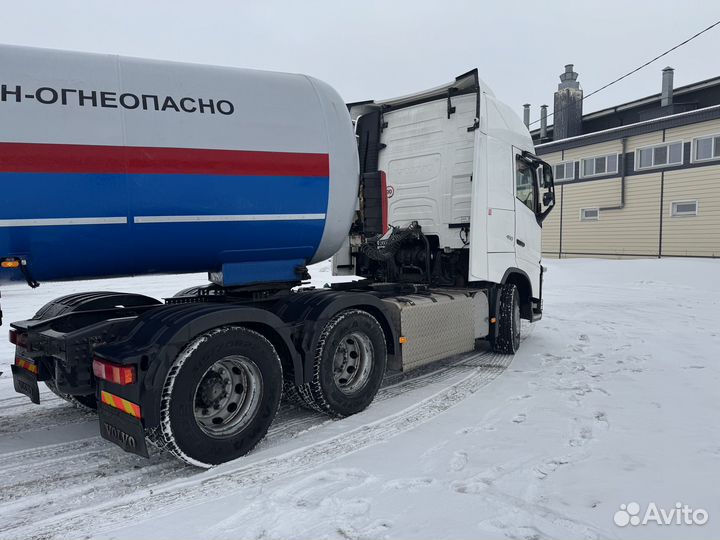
(640,179)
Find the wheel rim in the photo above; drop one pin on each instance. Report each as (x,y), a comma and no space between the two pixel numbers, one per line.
(228,396)
(352,362)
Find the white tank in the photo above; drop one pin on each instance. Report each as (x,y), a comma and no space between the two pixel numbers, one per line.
(118,166)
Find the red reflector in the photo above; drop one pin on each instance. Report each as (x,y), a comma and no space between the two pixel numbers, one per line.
(113,373)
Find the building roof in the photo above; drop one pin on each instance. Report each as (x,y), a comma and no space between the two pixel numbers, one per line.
(646,126)
(690,97)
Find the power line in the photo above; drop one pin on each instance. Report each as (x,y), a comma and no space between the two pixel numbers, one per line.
(688,40)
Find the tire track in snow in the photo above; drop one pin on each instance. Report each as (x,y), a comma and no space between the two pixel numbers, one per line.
(42,463)
(291,420)
(43,418)
(482,367)
(16,402)
(91,455)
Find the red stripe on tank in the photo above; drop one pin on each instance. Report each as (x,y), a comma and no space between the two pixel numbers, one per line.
(75,158)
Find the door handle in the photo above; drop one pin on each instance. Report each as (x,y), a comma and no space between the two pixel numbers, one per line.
(520,242)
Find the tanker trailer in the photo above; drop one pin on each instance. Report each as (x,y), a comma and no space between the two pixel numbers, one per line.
(121,166)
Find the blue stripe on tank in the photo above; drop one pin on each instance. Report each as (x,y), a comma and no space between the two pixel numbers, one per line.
(66,252)
(33,195)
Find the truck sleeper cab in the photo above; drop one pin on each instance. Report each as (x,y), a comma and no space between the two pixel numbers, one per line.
(445,236)
(456,164)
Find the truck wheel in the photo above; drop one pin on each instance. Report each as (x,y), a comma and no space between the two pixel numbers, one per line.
(81,402)
(219,397)
(349,364)
(505,338)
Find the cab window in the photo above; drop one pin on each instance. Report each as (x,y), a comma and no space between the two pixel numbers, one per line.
(525,183)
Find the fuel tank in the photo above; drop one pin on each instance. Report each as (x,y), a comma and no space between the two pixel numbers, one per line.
(116,166)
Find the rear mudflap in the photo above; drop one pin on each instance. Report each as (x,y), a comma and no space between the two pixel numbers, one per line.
(25,382)
(28,371)
(123,429)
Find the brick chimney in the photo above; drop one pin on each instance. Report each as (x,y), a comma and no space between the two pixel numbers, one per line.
(567,116)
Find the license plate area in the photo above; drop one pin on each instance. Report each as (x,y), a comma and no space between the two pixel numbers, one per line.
(124,430)
(25,383)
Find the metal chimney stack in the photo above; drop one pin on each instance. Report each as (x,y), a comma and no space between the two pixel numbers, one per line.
(526,115)
(666,97)
(543,122)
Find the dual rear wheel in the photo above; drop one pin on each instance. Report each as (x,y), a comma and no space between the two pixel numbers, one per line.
(349,365)
(223,390)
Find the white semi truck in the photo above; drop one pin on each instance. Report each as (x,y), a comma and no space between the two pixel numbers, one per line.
(121,166)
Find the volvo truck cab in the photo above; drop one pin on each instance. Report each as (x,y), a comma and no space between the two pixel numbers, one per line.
(456,164)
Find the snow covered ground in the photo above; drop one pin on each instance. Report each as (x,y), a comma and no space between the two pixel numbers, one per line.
(612,399)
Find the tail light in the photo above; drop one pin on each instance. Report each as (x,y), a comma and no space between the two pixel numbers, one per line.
(17,338)
(114,373)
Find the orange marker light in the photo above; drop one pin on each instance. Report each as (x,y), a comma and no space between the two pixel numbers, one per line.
(403,339)
(493,320)
(10,264)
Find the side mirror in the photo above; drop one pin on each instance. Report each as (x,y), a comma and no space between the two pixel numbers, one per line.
(548,183)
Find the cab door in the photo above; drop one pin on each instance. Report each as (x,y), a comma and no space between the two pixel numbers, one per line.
(528,232)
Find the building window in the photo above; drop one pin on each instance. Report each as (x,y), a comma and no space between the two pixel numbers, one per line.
(662,155)
(684,208)
(589,214)
(707,148)
(565,171)
(601,165)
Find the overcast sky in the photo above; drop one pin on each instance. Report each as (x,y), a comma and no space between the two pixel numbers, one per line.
(369,49)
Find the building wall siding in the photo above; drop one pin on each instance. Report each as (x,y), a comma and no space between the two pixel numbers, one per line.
(634,229)
(645,227)
(689,132)
(692,235)
(593,150)
(648,139)
(551,227)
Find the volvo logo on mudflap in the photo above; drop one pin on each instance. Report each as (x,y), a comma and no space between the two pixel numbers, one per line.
(125,440)
(25,388)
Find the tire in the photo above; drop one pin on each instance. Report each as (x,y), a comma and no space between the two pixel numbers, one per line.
(506,334)
(220,396)
(292,395)
(349,364)
(88,402)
